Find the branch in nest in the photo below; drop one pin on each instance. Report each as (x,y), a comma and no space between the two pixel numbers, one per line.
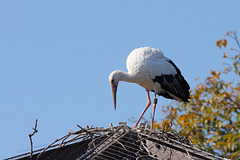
(39,155)
(30,137)
(85,132)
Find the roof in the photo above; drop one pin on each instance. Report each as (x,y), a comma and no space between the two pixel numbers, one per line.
(119,142)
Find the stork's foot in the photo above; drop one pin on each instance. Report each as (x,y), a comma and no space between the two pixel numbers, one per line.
(152,126)
(135,126)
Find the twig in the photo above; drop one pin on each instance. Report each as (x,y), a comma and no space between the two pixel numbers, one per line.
(164,127)
(170,127)
(187,153)
(236,38)
(64,139)
(121,144)
(39,155)
(30,137)
(83,132)
(69,140)
(71,130)
(80,127)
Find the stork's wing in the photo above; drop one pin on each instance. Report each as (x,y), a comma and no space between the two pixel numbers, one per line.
(173,84)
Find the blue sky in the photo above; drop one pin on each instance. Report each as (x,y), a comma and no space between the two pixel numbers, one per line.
(55,58)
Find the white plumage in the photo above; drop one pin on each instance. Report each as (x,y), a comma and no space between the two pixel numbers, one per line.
(149,68)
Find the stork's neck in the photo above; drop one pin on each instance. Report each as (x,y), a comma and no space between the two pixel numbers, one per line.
(124,76)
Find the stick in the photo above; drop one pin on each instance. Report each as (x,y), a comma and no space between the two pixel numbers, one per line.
(30,137)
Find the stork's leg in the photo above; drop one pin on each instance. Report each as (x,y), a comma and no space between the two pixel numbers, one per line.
(148,104)
(154,107)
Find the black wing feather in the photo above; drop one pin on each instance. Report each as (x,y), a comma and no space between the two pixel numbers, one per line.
(173,85)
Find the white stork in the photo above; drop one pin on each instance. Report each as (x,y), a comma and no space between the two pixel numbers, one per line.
(149,68)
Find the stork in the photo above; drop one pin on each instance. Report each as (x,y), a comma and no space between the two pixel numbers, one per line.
(149,68)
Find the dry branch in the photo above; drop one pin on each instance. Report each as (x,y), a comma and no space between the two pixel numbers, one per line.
(83,132)
(30,137)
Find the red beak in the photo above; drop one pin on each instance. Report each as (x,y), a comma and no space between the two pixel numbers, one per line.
(114,91)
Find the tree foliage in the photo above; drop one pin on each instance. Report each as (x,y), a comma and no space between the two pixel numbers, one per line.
(211,120)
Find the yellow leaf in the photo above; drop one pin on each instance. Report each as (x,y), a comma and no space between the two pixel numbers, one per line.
(217,74)
(224,43)
(219,43)
(225,55)
(196,79)
(236,56)
(156,125)
(209,140)
(228,33)
(212,72)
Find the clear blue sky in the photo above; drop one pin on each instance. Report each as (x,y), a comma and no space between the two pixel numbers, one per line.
(55,58)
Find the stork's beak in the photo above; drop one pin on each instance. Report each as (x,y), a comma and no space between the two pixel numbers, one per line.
(114,91)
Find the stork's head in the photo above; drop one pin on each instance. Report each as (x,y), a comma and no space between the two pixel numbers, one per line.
(114,79)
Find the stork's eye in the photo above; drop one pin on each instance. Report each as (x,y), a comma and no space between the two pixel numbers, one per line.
(112,81)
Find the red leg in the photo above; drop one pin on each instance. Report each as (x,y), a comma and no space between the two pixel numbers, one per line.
(148,104)
(154,107)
